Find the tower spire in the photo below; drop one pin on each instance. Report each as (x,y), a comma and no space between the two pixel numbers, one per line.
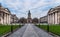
(0,5)
(29,14)
(29,11)
(29,17)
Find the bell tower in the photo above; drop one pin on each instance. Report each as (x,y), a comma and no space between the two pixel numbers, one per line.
(29,17)
(0,5)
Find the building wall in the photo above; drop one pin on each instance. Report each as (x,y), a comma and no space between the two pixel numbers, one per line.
(54,15)
(14,18)
(4,15)
(43,19)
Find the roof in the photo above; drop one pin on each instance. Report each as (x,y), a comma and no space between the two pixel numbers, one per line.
(54,9)
(4,9)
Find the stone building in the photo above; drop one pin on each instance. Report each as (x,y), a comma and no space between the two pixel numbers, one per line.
(29,19)
(54,15)
(14,18)
(44,19)
(4,15)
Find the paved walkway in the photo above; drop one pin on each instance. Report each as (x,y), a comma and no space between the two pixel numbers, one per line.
(29,30)
(19,33)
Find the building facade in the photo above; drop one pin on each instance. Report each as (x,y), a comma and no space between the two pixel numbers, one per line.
(44,19)
(14,18)
(4,15)
(54,15)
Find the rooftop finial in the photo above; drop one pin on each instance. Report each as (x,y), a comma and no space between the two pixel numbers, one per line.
(29,11)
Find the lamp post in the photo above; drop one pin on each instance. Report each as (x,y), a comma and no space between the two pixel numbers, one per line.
(11,28)
(47,24)
(47,27)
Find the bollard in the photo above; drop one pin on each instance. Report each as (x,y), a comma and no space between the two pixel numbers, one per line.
(19,25)
(39,25)
(48,28)
(11,28)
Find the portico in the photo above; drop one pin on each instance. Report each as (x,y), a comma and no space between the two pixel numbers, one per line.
(54,15)
(4,15)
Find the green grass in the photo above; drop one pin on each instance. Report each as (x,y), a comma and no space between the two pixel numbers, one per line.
(52,28)
(7,28)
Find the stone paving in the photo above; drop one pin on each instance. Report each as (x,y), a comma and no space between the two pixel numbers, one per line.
(19,33)
(29,30)
(41,32)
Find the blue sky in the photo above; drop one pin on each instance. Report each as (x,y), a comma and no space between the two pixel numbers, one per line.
(38,8)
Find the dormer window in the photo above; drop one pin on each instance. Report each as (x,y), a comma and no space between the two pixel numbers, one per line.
(5,9)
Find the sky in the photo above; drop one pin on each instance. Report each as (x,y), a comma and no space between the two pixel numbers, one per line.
(38,8)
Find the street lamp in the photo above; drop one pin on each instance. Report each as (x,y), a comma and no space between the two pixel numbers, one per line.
(47,24)
(47,27)
(11,28)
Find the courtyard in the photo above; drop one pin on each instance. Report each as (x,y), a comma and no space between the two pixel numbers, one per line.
(29,18)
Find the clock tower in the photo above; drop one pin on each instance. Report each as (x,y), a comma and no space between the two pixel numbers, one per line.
(29,17)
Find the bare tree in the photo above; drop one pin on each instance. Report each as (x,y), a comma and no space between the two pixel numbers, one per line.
(35,20)
(23,20)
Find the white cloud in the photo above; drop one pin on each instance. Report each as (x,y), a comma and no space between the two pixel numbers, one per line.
(27,4)
(14,5)
(1,0)
(19,7)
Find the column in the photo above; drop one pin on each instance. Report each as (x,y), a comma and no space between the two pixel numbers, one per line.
(51,18)
(10,18)
(59,17)
(4,18)
(48,19)
(55,17)
(7,18)
(1,19)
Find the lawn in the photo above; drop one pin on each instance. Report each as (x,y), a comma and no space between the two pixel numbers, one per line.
(7,28)
(52,28)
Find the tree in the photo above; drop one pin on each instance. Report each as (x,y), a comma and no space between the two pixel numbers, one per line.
(23,20)
(35,20)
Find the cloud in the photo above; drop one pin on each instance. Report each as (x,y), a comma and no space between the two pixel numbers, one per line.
(38,8)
